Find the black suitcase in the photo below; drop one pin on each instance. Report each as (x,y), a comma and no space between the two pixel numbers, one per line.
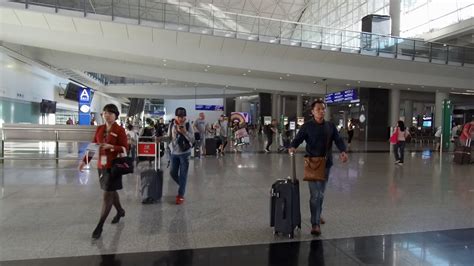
(462,154)
(285,213)
(151,185)
(197,149)
(211,146)
(152,182)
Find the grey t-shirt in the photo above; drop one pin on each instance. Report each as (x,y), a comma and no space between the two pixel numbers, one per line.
(200,125)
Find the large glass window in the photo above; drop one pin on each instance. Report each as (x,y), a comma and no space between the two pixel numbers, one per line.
(421,16)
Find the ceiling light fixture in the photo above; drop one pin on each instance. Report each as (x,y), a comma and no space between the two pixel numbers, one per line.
(206,70)
(272,41)
(164,60)
(208,66)
(391,84)
(287,75)
(245,74)
(249,70)
(348,84)
(281,77)
(409,88)
(164,64)
(358,81)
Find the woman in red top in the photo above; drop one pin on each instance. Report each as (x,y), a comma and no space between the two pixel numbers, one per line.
(112,140)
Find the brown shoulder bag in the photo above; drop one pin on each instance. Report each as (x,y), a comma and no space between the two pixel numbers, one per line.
(315,167)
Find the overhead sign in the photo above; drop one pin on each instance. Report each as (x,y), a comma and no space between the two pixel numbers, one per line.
(347,96)
(84,106)
(202,107)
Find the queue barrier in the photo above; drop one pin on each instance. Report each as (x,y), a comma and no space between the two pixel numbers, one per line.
(35,132)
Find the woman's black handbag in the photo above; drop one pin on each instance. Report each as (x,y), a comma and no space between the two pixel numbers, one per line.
(122,165)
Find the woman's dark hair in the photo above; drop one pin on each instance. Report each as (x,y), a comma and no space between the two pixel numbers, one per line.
(320,101)
(401,125)
(112,108)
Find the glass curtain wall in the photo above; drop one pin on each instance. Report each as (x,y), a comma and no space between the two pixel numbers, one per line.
(343,14)
(422,16)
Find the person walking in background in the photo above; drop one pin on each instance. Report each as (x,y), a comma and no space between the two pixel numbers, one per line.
(112,141)
(399,146)
(200,126)
(221,132)
(132,139)
(270,131)
(319,136)
(182,137)
(350,133)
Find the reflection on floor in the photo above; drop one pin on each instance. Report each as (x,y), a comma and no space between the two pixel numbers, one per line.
(452,247)
(49,211)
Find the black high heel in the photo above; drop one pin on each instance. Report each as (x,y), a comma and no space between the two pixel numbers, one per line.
(117,217)
(97,232)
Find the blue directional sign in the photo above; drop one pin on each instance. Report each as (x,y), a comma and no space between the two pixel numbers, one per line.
(85,106)
(202,107)
(347,96)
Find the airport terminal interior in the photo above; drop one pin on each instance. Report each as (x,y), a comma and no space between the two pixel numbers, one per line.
(250,78)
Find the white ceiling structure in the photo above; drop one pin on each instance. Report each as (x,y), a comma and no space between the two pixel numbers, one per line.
(182,64)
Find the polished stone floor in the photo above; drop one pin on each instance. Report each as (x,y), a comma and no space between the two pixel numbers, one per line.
(49,211)
(451,247)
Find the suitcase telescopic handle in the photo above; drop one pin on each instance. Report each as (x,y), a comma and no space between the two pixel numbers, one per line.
(293,167)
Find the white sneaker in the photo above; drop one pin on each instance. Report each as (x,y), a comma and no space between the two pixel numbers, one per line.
(398,161)
(267,150)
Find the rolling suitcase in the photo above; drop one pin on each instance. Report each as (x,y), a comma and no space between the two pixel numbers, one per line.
(211,146)
(462,154)
(197,149)
(152,183)
(285,213)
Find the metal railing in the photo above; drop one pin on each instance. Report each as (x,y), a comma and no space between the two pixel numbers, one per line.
(48,133)
(212,21)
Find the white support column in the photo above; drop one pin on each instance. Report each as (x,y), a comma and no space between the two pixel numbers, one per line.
(238,104)
(395,13)
(245,106)
(408,113)
(274,105)
(278,108)
(440,97)
(394,107)
(327,116)
(299,106)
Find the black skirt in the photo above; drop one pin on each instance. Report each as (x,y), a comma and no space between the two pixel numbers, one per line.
(108,182)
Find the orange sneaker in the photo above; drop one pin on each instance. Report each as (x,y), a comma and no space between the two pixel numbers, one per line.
(179,200)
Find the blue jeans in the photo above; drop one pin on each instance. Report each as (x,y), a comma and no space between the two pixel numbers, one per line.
(399,150)
(179,170)
(316,190)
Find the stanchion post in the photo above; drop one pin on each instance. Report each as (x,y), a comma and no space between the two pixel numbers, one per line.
(57,147)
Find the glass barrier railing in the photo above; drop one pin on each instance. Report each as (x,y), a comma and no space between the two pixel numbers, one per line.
(213,21)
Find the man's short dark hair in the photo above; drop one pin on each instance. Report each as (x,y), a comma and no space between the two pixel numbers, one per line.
(180,111)
(320,101)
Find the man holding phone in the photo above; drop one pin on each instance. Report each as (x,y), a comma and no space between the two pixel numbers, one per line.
(182,138)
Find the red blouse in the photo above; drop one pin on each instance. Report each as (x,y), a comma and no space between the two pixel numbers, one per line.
(116,137)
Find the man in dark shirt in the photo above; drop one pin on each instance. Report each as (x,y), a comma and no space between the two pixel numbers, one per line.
(315,132)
